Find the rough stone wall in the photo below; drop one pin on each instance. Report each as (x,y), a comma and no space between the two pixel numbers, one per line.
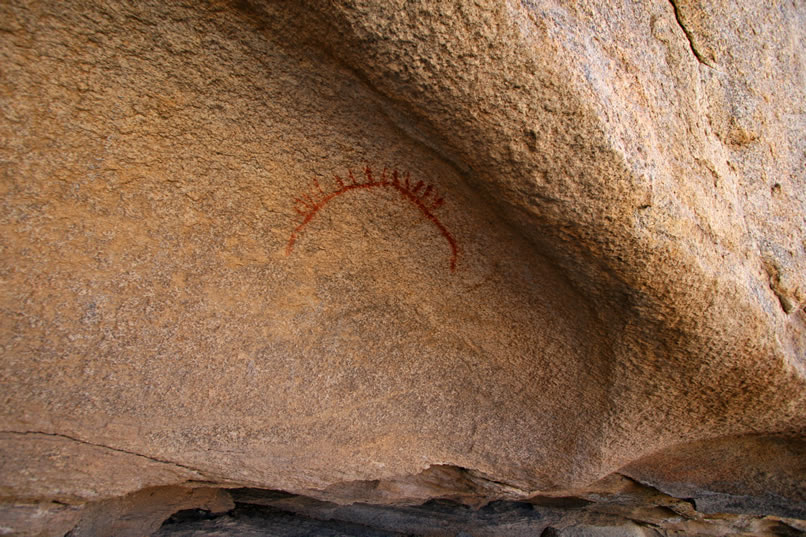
(311,245)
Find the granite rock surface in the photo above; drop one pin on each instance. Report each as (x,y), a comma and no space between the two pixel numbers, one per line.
(402,252)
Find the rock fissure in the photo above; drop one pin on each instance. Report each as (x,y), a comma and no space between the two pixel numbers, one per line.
(119,450)
(689,36)
(788,303)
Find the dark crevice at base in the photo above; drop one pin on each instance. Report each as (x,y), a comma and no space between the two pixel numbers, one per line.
(785,530)
(256,520)
(269,512)
(190,515)
(637,511)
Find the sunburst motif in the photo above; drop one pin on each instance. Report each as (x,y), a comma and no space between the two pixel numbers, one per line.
(419,194)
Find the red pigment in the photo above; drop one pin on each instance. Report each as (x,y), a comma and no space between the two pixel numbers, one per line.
(311,205)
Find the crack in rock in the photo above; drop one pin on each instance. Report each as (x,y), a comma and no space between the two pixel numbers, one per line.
(689,36)
(67,437)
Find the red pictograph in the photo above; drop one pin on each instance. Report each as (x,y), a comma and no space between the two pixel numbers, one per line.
(422,196)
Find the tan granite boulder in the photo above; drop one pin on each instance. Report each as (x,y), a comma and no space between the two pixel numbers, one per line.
(469,250)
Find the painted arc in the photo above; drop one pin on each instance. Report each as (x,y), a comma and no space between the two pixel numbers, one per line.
(420,195)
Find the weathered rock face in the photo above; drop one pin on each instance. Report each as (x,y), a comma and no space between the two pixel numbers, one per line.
(392,251)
